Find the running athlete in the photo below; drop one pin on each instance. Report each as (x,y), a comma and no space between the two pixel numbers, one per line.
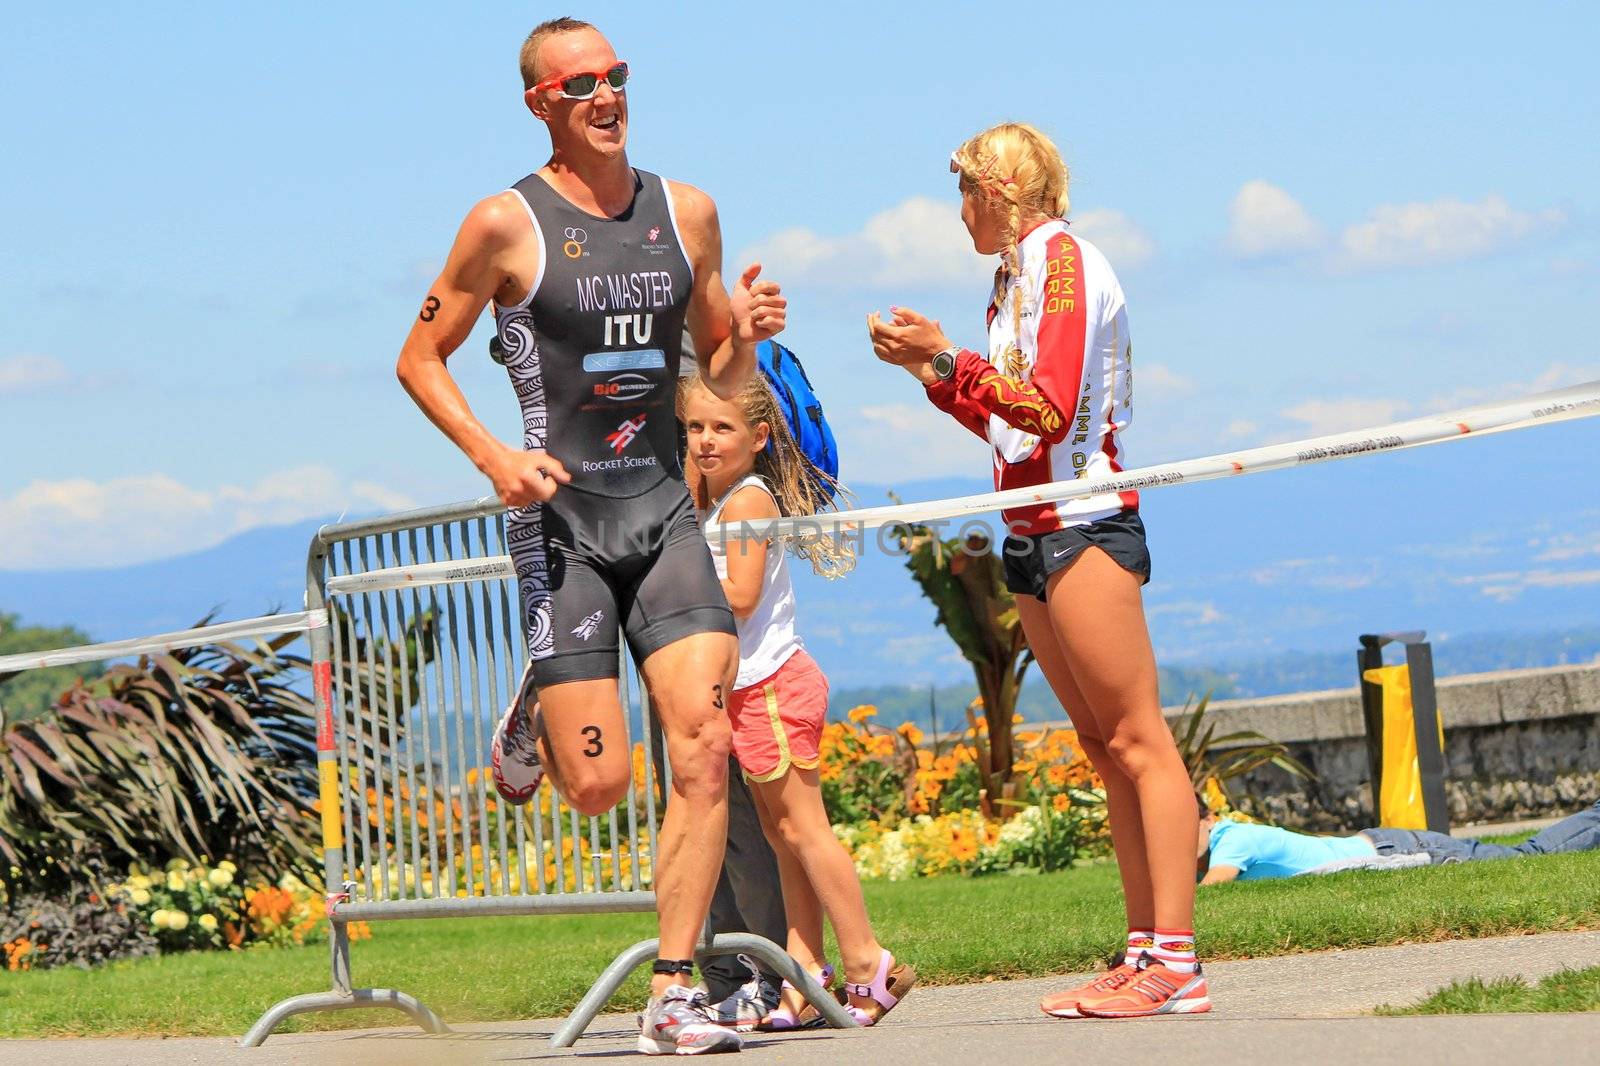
(1051,394)
(595,270)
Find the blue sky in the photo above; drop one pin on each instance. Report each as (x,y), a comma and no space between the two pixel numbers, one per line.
(218,226)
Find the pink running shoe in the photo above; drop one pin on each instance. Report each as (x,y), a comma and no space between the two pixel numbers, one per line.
(514,755)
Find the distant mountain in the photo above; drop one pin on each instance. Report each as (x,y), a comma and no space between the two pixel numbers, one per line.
(254,573)
(1261,583)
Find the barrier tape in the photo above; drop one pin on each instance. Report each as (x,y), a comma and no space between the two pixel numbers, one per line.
(1579,401)
(189,638)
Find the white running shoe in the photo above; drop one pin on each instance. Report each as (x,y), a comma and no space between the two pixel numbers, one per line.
(514,754)
(745,1008)
(677,1023)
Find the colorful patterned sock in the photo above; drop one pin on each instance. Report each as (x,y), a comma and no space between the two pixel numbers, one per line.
(1175,950)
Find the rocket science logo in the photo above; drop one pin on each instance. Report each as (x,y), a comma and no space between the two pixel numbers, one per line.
(653,243)
(625,434)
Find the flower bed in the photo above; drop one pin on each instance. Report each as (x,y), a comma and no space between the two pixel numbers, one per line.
(199,906)
(908,808)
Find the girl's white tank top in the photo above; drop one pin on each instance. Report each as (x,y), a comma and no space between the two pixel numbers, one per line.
(767,638)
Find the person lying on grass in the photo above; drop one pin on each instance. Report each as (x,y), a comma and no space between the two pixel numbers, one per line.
(1239,851)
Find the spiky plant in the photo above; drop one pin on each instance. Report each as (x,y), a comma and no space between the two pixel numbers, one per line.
(966,582)
(1210,758)
(201,753)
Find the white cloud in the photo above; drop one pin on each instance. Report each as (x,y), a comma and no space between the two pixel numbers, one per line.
(918,243)
(26,373)
(889,443)
(1503,588)
(1188,612)
(1554,376)
(1160,376)
(1318,417)
(1564,546)
(1239,428)
(1436,232)
(1126,245)
(79,522)
(1266,222)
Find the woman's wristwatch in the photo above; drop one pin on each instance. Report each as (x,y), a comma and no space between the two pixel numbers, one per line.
(944,363)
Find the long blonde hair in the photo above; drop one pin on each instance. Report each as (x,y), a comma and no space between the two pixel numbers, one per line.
(800,488)
(1015,166)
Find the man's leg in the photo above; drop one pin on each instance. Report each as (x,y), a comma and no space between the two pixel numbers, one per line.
(1578,832)
(690,681)
(585,743)
(747,899)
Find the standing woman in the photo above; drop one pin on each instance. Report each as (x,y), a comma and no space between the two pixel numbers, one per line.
(1052,394)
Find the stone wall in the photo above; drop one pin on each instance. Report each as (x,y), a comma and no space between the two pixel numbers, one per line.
(1518,744)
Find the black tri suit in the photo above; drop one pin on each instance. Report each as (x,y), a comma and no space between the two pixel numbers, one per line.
(593,353)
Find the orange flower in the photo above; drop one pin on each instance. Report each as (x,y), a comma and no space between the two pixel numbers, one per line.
(963,845)
(862,713)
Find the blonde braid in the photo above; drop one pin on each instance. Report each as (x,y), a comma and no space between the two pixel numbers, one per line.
(1017,165)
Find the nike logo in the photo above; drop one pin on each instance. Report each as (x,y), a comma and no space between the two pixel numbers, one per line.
(1060,553)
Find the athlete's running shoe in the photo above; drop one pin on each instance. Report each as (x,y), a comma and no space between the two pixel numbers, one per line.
(1150,989)
(677,1023)
(1065,1004)
(743,1010)
(514,754)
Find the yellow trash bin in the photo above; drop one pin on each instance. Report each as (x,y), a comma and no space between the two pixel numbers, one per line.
(1400,790)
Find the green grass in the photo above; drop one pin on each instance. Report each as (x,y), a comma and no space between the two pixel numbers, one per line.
(954,929)
(1566,991)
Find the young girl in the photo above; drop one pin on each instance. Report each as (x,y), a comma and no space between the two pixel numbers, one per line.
(1051,393)
(746,467)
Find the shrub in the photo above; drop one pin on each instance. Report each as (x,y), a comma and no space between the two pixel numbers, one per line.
(81,928)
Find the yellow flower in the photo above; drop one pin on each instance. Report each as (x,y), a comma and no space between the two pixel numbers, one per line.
(175,882)
(862,713)
(139,896)
(912,734)
(208,922)
(220,878)
(159,918)
(228,866)
(177,920)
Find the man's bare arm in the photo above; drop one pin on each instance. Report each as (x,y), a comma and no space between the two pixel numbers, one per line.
(725,330)
(470,279)
(1218,875)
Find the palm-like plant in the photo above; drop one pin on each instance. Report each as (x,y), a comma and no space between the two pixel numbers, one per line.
(966,582)
(201,753)
(1213,759)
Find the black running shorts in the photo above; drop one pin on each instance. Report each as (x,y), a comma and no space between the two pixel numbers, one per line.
(594,567)
(1030,560)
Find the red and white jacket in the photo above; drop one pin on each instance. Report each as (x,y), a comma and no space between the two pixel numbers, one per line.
(1056,413)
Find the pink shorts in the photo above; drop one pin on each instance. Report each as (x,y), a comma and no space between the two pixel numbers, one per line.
(777,723)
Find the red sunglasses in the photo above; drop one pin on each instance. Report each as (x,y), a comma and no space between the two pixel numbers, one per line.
(583,85)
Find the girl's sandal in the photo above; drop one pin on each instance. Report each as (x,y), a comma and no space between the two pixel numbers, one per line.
(887,989)
(782,1019)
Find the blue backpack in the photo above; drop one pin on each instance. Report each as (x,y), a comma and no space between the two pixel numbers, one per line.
(801,409)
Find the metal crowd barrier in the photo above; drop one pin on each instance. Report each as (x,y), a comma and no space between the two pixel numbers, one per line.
(411,674)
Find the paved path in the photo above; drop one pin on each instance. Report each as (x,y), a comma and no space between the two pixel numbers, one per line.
(1297,1009)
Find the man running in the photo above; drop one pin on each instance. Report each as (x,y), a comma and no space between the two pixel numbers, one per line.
(595,270)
